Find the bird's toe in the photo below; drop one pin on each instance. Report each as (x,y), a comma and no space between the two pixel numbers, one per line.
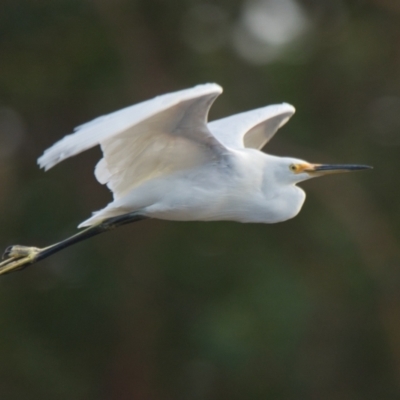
(7,252)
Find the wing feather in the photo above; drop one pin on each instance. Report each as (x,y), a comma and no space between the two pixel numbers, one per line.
(149,139)
(105,127)
(252,128)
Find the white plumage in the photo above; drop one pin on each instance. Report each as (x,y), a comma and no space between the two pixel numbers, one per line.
(162,158)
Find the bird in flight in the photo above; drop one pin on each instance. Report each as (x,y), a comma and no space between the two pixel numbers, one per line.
(163,159)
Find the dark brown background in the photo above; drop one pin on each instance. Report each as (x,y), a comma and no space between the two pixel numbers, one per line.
(306,309)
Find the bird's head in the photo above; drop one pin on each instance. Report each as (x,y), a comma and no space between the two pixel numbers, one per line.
(292,170)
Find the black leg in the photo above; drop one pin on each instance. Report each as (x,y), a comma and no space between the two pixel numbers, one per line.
(19,257)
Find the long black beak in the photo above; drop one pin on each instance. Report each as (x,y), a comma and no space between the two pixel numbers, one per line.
(323,169)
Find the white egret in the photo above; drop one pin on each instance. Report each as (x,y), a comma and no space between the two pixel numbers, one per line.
(161,159)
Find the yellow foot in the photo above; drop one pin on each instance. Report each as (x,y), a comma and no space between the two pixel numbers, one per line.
(18,257)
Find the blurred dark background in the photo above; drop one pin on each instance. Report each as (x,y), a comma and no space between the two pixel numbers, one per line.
(306,309)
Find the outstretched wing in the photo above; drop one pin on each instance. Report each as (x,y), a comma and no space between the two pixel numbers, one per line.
(146,140)
(252,128)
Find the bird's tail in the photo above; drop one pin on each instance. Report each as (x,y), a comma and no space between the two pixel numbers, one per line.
(101,215)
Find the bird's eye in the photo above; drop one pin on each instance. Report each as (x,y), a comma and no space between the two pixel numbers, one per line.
(293,167)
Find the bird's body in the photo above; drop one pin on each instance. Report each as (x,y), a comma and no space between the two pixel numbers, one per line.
(162,159)
(240,188)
